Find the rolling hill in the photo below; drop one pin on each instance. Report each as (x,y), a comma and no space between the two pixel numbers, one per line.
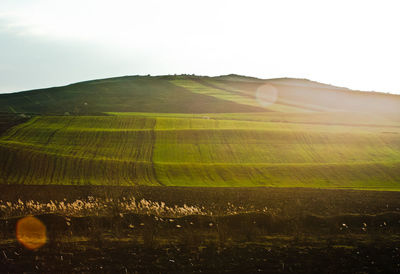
(196,94)
(203,131)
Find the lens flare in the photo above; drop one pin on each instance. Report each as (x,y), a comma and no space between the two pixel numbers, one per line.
(266,95)
(31,232)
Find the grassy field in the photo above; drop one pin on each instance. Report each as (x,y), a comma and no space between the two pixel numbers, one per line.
(254,149)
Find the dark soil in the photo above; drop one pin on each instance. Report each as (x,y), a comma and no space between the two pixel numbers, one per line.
(302,231)
(277,255)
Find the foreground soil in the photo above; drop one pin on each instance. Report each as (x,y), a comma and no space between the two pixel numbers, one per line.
(272,255)
(208,230)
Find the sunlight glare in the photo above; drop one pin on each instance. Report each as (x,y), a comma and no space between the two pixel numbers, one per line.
(266,95)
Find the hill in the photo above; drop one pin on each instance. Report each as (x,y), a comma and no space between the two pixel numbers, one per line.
(196,94)
(203,131)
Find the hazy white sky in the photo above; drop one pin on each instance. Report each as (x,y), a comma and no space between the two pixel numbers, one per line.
(45,43)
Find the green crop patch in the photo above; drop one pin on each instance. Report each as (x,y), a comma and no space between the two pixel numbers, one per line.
(227,149)
(376,176)
(80,150)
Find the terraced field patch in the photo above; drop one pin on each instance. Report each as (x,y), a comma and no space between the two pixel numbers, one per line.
(214,152)
(204,150)
(79,150)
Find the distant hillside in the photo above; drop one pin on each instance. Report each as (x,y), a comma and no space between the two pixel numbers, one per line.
(196,94)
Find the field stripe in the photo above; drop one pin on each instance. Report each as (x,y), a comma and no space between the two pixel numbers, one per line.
(362,175)
(48,151)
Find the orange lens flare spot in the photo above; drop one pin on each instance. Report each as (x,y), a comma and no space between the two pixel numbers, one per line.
(31,232)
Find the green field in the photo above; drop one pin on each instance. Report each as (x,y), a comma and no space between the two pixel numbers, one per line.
(201,131)
(177,150)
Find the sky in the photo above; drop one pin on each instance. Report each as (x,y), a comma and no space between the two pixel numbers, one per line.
(348,43)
